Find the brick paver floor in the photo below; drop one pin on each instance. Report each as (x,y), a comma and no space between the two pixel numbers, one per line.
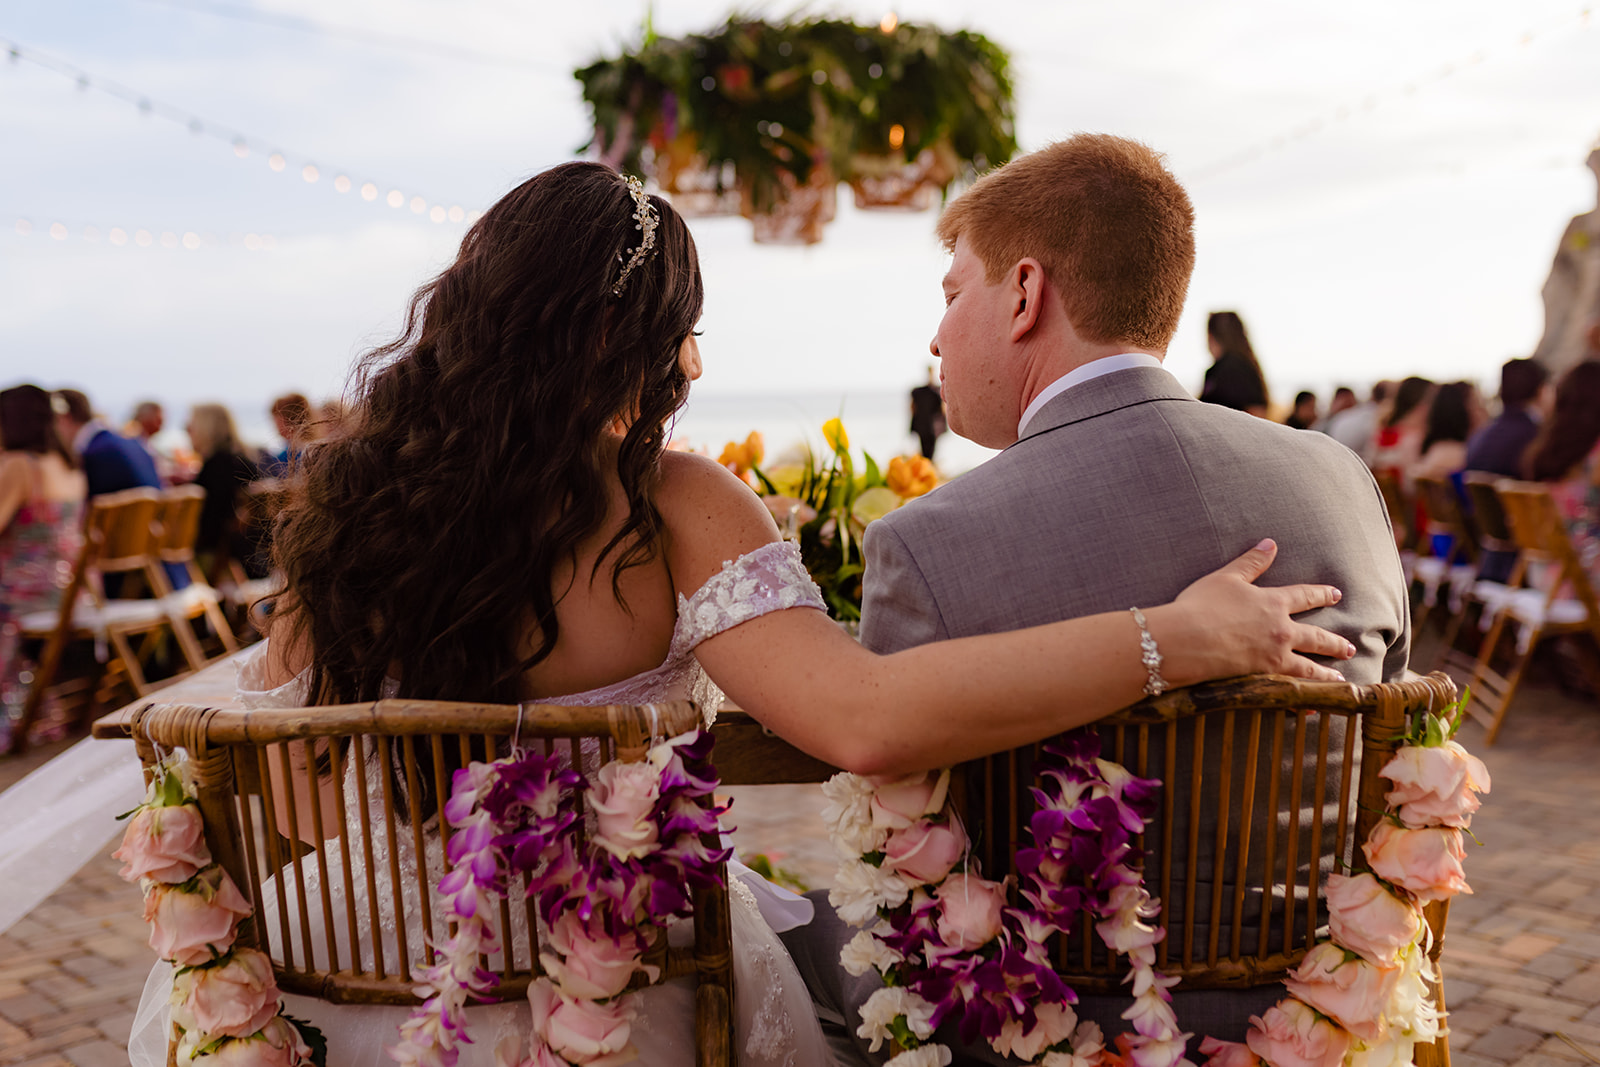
(1522,955)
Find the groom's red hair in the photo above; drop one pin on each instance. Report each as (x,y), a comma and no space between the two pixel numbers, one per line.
(1111,225)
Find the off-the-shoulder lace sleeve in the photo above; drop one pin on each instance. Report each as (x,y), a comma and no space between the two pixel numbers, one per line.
(770,578)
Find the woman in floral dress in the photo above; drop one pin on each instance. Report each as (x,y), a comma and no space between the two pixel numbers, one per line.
(41,497)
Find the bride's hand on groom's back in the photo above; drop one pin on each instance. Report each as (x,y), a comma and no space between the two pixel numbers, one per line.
(1242,628)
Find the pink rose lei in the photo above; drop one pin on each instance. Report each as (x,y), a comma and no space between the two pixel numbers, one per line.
(225,1000)
(946,942)
(602,901)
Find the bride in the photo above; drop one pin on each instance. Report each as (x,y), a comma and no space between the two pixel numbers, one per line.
(500,521)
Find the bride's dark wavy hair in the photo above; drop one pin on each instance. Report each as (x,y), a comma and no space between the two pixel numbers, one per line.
(422,540)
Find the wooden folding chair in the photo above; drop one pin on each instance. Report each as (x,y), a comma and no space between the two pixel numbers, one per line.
(384,856)
(119,539)
(1271,781)
(1487,593)
(1456,570)
(1560,598)
(177,527)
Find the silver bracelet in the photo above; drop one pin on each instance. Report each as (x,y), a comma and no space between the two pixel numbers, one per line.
(1154,685)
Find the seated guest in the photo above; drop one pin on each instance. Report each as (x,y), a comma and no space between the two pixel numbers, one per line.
(1344,398)
(1566,454)
(1356,426)
(110,462)
(1454,413)
(291,414)
(41,496)
(1398,443)
(224,471)
(1526,394)
(147,421)
(1304,415)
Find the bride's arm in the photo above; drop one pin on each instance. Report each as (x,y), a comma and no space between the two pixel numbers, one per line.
(938,704)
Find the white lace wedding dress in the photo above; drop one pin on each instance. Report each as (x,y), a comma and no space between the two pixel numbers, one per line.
(775,1024)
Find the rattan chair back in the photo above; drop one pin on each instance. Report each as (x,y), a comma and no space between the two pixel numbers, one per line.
(327,819)
(1268,784)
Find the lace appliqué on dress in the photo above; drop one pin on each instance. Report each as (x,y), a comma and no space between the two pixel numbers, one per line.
(771,1036)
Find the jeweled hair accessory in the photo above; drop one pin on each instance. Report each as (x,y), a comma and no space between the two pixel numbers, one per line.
(645,221)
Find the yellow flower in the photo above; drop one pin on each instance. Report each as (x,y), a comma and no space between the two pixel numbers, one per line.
(834,433)
(874,504)
(911,476)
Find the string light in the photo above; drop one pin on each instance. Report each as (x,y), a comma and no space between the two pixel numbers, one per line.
(190,240)
(1345,111)
(243,145)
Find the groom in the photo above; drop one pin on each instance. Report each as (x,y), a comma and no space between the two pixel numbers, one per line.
(1116,488)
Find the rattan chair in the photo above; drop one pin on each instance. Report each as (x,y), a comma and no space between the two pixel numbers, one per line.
(1270,780)
(122,537)
(1561,599)
(388,921)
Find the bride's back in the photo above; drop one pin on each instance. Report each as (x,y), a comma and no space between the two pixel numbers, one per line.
(484,527)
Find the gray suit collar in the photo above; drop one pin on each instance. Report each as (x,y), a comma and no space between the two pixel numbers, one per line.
(1109,392)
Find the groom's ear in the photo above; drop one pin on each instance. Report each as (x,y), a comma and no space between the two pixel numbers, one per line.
(1027,297)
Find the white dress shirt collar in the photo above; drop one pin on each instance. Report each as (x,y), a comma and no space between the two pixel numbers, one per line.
(1078,375)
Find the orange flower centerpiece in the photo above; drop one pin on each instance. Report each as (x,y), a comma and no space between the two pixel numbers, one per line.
(825,506)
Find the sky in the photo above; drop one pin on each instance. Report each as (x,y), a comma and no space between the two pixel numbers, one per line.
(1379,184)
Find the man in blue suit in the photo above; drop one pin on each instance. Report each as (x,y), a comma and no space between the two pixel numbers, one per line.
(111,463)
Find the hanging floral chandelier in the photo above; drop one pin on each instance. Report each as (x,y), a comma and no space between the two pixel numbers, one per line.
(765,120)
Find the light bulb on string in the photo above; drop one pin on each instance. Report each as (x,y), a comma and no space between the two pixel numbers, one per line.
(58,231)
(143,238)
(418,205)
(118,236)
(889,22)
(169,239)
(396,198)
(252,242)
(276,161)
(369,191)
(309,172)
(456,214)
(191,241)
(24,227)
(241,148)
(436,213)
(341,184)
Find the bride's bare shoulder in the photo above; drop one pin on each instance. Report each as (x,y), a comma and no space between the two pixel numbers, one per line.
(709,514)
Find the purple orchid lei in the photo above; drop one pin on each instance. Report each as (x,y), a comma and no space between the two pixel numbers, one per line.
(602,898)
(943,938)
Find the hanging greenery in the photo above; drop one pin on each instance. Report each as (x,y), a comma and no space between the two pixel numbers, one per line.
(766,119)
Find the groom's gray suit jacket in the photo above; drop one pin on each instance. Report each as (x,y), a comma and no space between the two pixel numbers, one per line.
(1124,490)
(1121,492)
